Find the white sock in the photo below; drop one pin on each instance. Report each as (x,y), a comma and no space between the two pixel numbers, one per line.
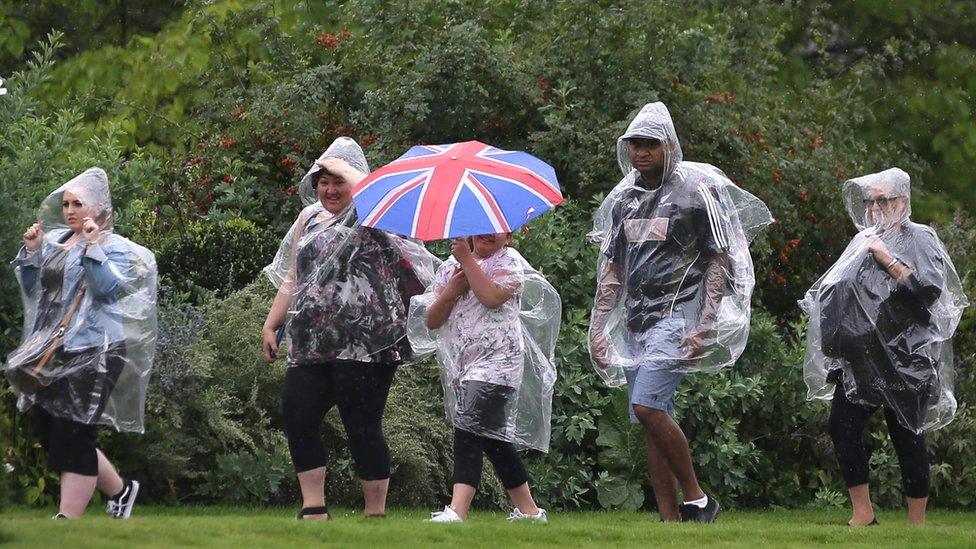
(699,503)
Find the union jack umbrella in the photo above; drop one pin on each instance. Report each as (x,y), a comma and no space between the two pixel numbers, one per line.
(462,189)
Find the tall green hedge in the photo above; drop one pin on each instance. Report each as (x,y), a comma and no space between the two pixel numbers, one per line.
(206,127)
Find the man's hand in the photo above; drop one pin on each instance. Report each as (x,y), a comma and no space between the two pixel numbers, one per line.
(694,341)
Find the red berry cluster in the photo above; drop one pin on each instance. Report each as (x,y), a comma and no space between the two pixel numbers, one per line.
(331,40)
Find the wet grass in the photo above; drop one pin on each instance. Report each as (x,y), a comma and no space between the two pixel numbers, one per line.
(243,527)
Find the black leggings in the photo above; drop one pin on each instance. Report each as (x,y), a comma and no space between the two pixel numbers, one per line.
(468,462)
(360,390)
(77,399)
(847,422)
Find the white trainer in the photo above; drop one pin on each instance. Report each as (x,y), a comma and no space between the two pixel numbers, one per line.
(518,515)
(447,515)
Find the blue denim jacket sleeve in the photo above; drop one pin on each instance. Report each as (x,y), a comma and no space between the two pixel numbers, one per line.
(29,265)
(97,322)
(103,269)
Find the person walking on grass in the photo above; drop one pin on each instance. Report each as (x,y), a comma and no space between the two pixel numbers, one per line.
(673,293)
(89,339)
(493,321)
(343,290)
(880,337)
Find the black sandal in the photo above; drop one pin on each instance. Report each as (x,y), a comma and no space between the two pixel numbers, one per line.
(314,511)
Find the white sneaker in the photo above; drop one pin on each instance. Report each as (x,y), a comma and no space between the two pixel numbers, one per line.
(447,515)
(122,508)
(518,515)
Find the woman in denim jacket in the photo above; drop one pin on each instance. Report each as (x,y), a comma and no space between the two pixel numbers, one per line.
(74,265)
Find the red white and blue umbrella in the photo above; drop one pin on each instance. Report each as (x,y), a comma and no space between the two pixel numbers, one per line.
(462,189)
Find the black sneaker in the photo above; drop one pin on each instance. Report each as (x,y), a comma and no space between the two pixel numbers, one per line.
(694,513)
(60,516)
(120,507)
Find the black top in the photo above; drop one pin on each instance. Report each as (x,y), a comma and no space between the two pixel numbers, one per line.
(882,329)
(663,240)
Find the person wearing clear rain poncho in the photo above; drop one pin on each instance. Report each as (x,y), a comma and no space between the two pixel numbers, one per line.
(94,292)
(675,280)
(881,323)
(493,321)
(343,290)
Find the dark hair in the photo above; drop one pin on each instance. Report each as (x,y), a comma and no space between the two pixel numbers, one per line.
(323,173)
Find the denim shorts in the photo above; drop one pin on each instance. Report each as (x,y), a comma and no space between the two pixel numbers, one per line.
(654,379)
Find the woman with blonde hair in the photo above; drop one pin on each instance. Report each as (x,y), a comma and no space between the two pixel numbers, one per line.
(881,323)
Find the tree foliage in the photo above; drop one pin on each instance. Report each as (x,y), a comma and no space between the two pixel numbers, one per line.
(207,117)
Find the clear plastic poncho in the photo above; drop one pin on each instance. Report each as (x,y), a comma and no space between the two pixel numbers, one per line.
(887,342)
(101,373)
(674,276)
(350,285)
(497,365)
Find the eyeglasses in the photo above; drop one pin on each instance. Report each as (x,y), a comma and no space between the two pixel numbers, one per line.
(880,201)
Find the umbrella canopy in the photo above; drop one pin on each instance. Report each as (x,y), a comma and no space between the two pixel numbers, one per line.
(461,189)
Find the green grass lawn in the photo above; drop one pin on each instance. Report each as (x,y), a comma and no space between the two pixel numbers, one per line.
(238,527)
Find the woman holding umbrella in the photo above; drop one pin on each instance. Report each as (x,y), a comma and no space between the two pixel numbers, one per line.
(490,317)
(493,321)
(344,289)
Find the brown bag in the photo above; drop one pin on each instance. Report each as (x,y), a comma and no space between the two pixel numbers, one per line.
(30,367)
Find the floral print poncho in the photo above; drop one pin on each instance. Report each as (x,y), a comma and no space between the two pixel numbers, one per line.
(353,288)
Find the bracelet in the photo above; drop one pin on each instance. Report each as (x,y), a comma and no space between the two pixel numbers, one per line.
(892,264)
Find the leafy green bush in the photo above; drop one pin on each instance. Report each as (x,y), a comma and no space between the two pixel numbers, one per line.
(953,447)
(25,476)
(220,257)
(246,477)
(210,395)
(206,174)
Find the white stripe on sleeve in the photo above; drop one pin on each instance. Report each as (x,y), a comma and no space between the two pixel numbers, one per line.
(714,218)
